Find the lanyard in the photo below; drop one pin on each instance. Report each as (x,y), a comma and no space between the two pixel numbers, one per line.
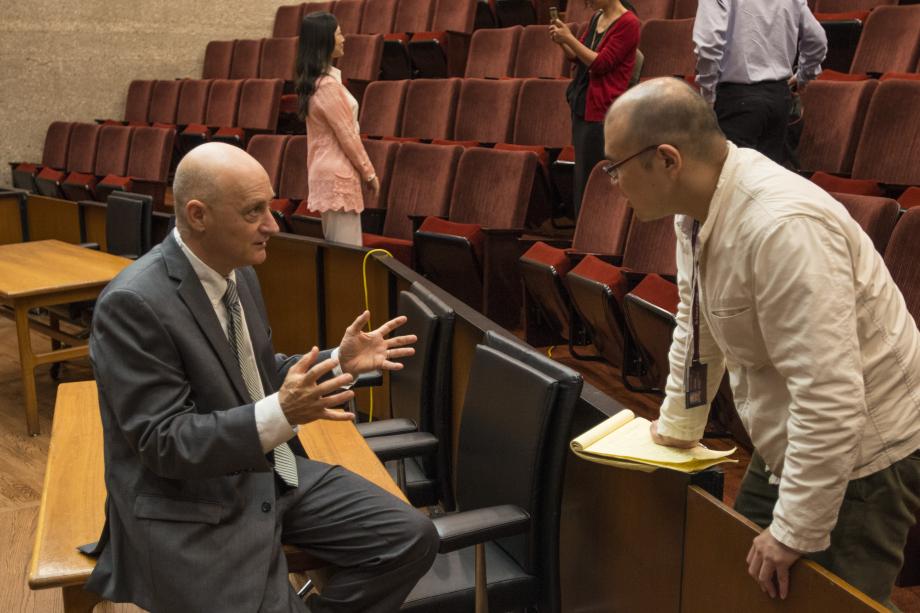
(695,388)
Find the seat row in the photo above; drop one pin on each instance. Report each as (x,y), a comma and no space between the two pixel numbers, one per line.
(861,41)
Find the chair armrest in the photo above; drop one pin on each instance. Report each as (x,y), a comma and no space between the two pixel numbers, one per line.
(401,446)
(373,378)
(417,220)
(93,246)
(466,528)
(387,427)
(577,256)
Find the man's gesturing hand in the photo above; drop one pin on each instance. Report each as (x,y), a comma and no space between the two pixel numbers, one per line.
(362,352)
(304,400)
(768,558)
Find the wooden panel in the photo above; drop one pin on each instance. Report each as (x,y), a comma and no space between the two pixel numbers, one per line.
(289,285)
(466,337)
(10,220)
(94,223)
(715,550)
(50,218)
(621,537)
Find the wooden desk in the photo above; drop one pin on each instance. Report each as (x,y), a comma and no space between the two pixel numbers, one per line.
(72,508)
(45,273)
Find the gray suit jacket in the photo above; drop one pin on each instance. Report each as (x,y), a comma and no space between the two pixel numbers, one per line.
(188,485)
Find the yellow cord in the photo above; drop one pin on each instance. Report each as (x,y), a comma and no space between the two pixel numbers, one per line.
(549,352)
(367,307)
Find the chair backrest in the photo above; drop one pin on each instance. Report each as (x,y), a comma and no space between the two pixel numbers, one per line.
(363,53)
(848,6)
(223,103)
(454,16)
(164,100)
(832,120)
(430,108)
(889,41)
(492,52)
(279,58)
(260,103)
(684,9)
(901,257)
(378,17)
(348,14)
(486,98)
(193,101)
(492,188)
(57,145)
(218,55)
(889,146)
(127,224)
(318,7)
(293,181)
(538,55)
(410,387)
(382,108)
(414,15)
(245,61)
(654,9)
(112,150)
(543,116)
(137,102)
(151,152)
(421,184)
(667,45)
(604,217)
(287,20)
(578,12)
(651,246)
(876,216)
(382,155)
(268,150)
(81,153)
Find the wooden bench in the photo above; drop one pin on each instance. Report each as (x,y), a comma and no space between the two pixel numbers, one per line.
(72,508)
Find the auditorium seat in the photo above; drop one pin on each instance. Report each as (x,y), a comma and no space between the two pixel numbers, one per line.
(361,63)
(578,12)
(843,30)
(539,56)
(382,155)
(378,17)
(473,254)
(910,198)
(442,51)
(833,114)
(889,41)
(111,158)
(318,7)
(54,156)
(411,16)
(430,108)
(420,185)
(382,108)
(654,9)
(492,52)
(81,159)
(260,101)
(245,62)
(137,103)
(901,257)
(667,45)
(485,110)
(684,9)
(509,13)
(268,150)
(217,58)
(348,14)
(287,20)
(543,116)
(221,111)
(292,184)
(649,310)
(846,6)
(279,60)
(193,102)
(164,100)
(147,169)
(876,216)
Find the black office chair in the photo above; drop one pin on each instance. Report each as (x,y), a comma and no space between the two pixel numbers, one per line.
(500,550)
(127,224)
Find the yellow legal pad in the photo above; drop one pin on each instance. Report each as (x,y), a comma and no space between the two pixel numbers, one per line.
(624,441)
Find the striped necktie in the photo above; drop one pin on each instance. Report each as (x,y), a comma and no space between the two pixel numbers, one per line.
(282,456)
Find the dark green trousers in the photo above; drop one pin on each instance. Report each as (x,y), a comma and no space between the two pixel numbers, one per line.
(867,544)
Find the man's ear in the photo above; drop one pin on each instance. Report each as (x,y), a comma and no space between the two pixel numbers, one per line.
(673,161)
(195,214)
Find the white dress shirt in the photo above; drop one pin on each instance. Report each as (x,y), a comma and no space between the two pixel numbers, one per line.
(822,353)
(748,41)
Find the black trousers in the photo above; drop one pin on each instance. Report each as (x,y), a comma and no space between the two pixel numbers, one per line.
(755,115)
(588,141)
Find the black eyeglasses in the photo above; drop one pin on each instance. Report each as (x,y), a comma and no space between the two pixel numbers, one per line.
(613,168)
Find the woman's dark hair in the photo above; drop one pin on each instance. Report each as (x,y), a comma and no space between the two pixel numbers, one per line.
(314,55)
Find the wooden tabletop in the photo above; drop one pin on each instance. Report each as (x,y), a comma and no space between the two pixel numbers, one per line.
(41,267)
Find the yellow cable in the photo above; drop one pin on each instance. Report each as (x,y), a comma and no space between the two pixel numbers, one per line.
(367,307)
(549,352)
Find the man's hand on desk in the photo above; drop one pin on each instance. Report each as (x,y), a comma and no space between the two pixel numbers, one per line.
(768,558)
(361,352)
(660,439)
(304,400)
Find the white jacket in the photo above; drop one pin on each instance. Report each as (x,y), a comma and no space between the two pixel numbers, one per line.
(822,354)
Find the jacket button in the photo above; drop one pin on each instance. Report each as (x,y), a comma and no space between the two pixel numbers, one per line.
(266,507)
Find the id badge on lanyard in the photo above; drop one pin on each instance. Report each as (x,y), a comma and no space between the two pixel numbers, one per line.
(696,372)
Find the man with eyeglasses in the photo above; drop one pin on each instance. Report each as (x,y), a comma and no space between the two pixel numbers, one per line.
(779,285)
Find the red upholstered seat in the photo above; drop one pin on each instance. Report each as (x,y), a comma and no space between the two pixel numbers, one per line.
(430,108)
(111,158)
(442,51)
(361,63)
(486,98)
(259,105)
(650,310)
(411,16)
(910,198)
(378,17)
(268,149)
(245,60)
(382,155)
(889,41)
(470,232)
(218,55)
(148,165)
(401,249)
(382,108)
(193,102)
(667,45)
(542,116)
(164,100)
(539,56)
(901,257)
(287,20)
(597,290)
(658,291)
(833,75)
(492,52)
(833,117)
(279,58)
(831,183)
(348,13)
(876,216)
(684,9)
(54,155)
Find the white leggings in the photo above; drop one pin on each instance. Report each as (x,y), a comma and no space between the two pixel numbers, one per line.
(342,227)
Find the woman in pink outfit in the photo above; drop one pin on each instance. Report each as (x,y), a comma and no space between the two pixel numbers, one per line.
(337,163)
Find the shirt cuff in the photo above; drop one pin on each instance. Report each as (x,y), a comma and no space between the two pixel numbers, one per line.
(271,424)
(338,369)
(786,535)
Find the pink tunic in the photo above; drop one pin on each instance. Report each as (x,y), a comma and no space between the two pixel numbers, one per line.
(337,163)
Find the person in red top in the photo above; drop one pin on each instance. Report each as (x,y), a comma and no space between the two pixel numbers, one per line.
(605,56)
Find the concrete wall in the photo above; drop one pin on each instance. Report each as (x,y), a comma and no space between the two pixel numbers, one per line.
(72,60)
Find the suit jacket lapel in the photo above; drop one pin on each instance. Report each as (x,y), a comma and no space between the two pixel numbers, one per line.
(193,295)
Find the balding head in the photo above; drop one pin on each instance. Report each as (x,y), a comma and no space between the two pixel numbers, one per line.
(665,110)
